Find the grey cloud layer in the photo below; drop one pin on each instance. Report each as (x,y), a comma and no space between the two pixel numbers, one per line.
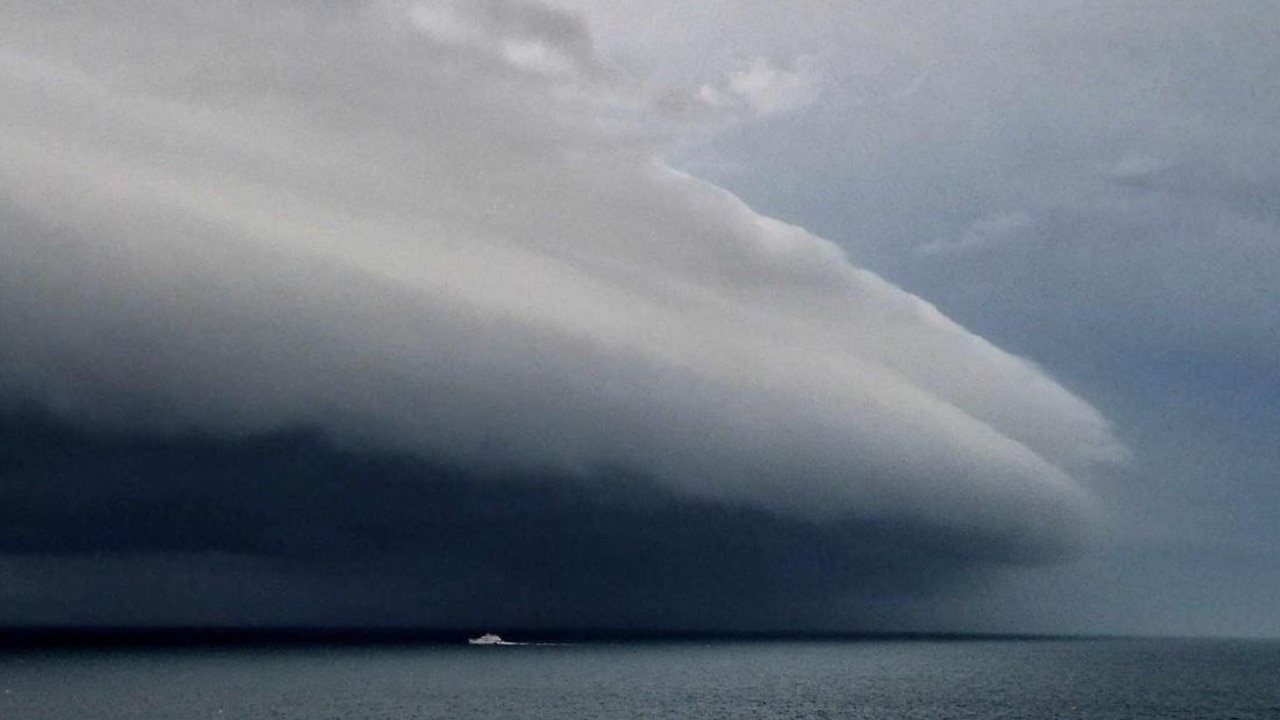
(439,228)
(119,529)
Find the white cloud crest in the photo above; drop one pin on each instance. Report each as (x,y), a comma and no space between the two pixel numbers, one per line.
(348,218)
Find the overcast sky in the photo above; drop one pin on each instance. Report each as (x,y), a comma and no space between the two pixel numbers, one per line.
(717,315)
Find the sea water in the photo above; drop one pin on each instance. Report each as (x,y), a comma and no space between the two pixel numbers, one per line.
(1120,679)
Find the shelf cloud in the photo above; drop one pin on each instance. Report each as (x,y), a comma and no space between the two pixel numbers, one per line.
(447,230)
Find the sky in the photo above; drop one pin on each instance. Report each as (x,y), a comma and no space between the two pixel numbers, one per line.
(720,316)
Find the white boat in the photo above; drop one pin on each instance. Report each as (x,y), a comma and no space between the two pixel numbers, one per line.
(488,639)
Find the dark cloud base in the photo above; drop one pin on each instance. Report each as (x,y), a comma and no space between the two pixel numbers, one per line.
(286,530)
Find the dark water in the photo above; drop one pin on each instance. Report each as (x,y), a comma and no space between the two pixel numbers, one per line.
(912,679)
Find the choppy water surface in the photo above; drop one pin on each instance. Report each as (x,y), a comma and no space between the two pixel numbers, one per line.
(903,679)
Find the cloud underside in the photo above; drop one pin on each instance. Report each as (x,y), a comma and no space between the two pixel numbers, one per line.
(445,230)
(285,529)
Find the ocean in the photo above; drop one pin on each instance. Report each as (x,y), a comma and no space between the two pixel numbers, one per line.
(871,679)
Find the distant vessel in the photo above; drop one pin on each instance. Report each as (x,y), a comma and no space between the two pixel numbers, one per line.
(488,639)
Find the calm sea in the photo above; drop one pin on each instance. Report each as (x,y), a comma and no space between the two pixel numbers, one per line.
(870,679)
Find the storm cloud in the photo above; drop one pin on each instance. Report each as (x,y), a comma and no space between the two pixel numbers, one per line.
(284,529)
(446,231)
